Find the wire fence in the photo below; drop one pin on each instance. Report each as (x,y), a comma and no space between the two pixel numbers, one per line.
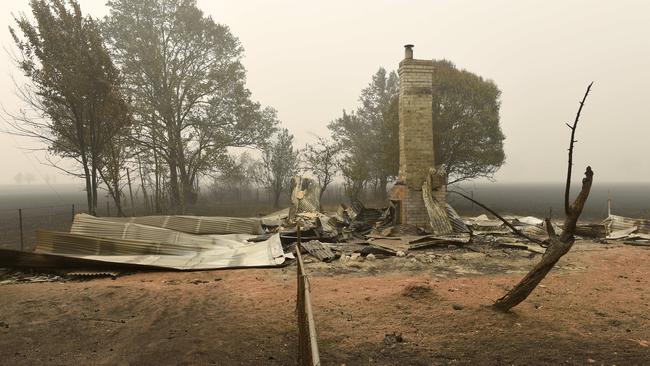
(18,231)
(18,226)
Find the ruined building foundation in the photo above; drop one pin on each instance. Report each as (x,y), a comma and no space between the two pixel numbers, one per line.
(415,140)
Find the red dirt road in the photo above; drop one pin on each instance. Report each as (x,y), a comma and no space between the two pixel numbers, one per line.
(597,314)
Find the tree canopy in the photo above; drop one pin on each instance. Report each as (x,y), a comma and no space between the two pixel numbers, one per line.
(280,162)
(184,74)
(467,137)
(73,87)
(321,159)
(368,136)
(468,140)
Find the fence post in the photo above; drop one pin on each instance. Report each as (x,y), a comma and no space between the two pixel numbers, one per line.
(73,211)
(20,224)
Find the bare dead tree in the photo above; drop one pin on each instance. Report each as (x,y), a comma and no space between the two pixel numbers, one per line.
(559,245)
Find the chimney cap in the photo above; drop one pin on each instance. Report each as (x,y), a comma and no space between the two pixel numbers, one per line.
(408,51)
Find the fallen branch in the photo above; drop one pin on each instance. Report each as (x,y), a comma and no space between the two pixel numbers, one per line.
(514,229)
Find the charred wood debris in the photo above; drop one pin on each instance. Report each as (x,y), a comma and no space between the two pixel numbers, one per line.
(358,233)
(351,233)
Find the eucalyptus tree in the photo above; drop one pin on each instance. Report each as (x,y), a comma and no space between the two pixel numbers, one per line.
(322,160)
(72,94)
(368,136)
(280,162)
(184,75)
(468,140)
(467,135)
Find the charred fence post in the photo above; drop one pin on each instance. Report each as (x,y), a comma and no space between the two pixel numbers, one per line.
(308,354)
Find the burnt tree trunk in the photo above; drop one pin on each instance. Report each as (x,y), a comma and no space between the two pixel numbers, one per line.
(561,245)
(558,247)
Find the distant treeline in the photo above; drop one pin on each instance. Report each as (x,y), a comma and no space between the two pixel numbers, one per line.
(525,199)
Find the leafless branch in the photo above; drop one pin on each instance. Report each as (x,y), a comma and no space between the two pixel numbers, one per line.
(571,143)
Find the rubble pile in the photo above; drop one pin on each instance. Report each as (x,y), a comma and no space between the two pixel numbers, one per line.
(351,233)
(357,232)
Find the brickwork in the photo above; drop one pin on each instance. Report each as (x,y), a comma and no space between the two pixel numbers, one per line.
(415,121)
(415,139)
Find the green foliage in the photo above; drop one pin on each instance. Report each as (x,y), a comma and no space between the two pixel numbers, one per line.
(367,136)
(73,84)
(184,74)
(467,137)
(321,159)
(280,162)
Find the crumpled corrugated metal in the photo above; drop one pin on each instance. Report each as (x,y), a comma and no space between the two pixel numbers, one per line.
(227,252)
(199,224)
(438,219)
(617,223)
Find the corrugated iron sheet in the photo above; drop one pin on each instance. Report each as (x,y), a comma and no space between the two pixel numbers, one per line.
(198,224)
(160,255)
(276,218)
(432,240)
(20,259)
(409,242)
(437,211)
(92,274)
(482,222)
(456,221)
(88,225)
(617,223)
(318,250)
(305,195)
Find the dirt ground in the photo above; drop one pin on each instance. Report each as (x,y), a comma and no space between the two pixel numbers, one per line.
(593,309)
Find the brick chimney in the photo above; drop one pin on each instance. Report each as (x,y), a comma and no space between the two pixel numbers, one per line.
(415,138)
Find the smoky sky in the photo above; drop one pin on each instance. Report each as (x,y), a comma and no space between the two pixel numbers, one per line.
(309,60)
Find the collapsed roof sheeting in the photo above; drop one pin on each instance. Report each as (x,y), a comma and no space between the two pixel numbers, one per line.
(456,221)
(276,218)
(409,242)
(617,223)
(105,242)
(437,211)
(20,259)
(483,222)
(198,224)
(224,254)
(84,224)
